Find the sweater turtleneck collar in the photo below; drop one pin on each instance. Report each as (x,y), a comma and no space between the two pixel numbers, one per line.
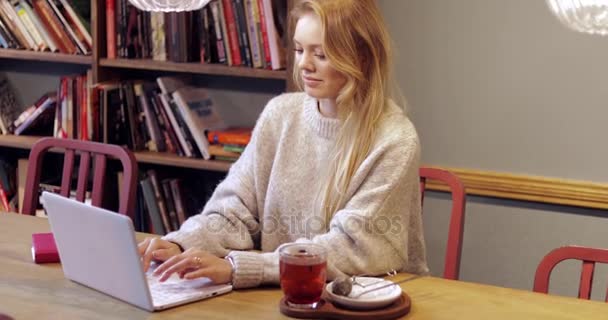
(325,127)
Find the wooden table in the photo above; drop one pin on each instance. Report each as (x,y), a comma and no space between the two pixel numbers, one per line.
(31,291)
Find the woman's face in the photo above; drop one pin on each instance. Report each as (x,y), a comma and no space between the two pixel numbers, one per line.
(320,79)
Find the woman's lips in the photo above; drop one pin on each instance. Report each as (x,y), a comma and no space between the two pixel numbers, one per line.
(311,82)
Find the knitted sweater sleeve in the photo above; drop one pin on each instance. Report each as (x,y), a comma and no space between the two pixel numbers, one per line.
(229,220)
(370,234)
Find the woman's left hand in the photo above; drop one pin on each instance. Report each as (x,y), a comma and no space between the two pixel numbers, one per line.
(194,263)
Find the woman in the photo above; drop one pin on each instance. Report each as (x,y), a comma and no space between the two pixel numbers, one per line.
(336,164)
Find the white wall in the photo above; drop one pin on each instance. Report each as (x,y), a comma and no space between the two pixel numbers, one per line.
(501,85)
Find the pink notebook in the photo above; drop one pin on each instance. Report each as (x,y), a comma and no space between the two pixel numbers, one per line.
(44,249)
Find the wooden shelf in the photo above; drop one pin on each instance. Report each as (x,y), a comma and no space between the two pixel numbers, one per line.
(195,68)
(177,161)
(45,56)
(165,159)
(19,142)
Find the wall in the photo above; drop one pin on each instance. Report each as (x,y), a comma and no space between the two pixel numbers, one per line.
(502,86)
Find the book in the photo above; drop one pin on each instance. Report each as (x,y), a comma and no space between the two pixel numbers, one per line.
(11,107)
(44,249)
(142,93)
(54,26)
(11,15)
(236,136)
(241,26)
(159,50)
(52,46)
(111,29)
(73,34)
(277,50)
(28,23)
(200,114)
(152,206)
(170,202)
(216,150)
(178,200)
(77,23)
(11,25)
(255,43)
(40,122)
(160,200)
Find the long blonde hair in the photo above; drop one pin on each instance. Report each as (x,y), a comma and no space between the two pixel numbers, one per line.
(357,43)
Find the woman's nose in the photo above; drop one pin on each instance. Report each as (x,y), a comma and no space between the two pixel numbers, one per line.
(305,62)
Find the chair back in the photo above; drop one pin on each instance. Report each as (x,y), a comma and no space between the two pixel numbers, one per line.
(588,256)
(90,153)
(456,229)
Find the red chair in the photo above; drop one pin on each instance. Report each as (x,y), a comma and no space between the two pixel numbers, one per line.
(89,152)
(589,256)
(455,233)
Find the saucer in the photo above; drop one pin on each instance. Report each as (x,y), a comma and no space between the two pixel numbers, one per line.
(373,300)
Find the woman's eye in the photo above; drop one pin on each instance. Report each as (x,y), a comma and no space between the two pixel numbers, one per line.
(298,50)
(320,56)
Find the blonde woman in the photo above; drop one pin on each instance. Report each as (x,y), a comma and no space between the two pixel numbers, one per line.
(336,164)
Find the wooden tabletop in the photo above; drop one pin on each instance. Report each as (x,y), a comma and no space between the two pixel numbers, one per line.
(31,291)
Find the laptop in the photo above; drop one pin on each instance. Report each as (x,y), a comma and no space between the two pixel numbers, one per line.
(98,249)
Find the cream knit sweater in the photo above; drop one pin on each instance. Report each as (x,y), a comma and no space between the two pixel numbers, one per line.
(267,199)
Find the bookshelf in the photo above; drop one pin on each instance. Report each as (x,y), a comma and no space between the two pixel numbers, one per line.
(158,158)
(25,55)
(193,68)
(105,69)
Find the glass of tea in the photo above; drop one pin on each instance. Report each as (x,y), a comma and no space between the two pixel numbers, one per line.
(303,270)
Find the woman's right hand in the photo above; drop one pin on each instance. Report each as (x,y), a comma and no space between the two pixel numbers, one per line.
(157,249)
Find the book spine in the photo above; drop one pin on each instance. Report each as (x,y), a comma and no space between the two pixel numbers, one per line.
(12,27)
(224,29)
(175,125)
(160,201)
(4,199)
(8,36)
(77,23)
(180,209)
(241,22)
(56,7)
(49,103)
(171,134)
(111,29)
(152,125)
(52,46)
(217,28)
(29,25)
(53,26)
(159,50)
(197,135)
(233,36)
(263,32)
(151,204)
(276,58)
(12,13)
(228,138)
(170,202)
(254,42)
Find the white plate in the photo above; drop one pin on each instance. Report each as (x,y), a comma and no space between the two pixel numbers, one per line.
(373,300)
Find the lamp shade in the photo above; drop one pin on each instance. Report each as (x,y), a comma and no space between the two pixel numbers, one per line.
(169,5)
(589,16)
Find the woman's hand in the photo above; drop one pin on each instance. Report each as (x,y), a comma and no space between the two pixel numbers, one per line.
(194,263)
(157,249)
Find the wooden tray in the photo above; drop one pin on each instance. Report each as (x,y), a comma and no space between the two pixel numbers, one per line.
(328,310)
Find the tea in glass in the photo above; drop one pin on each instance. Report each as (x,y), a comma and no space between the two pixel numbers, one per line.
(303,270)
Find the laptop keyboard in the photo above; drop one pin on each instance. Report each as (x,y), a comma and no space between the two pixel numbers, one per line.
(175,289)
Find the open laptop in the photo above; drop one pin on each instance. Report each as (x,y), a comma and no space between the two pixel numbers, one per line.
(98,249)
